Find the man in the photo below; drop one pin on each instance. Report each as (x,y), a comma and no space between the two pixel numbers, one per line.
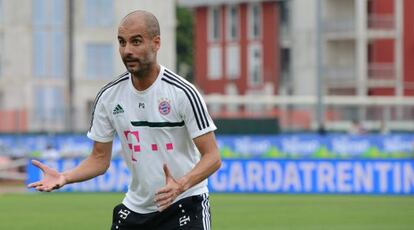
(166,134)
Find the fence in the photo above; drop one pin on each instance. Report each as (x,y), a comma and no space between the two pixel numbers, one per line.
(12,169)
(292,112)
(300,112)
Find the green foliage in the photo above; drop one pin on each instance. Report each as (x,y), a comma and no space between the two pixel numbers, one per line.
(372,153)
(323,153)
(184,33)
(274,153)
(227,153)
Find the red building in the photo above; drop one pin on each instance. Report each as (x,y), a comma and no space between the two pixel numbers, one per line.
(239,50)
(236,47)
(382,52)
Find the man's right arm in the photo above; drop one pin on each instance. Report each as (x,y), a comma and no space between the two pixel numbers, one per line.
(94,165)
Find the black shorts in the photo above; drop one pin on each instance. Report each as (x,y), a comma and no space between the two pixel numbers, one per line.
(189,213)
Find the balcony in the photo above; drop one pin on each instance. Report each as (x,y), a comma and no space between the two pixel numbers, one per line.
(285,36)
(381,26)
(381,22)
(340,77)
(378,26)
(381,75)
(339,28)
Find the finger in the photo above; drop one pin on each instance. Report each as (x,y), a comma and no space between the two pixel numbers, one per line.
(161,197)
(56,187)
(163,190)
(48,189)
(39,165)
(167,173)
(35,184)
(163,206)
(40,188)
(45,188)
(164,202)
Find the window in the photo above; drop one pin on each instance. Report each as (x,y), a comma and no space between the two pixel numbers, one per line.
(231,89)
(1,12)
(99,61)
(48,13)
(1,37)
(255,21)
(232,22)
(284,9)
(233,61)
(255,64)
(214,24)
(49,103)
(1,51)
(1,100)
(57,53)
(40,54)
(99,13)
(48,38)
(214,62)
(285,65)
(284,12)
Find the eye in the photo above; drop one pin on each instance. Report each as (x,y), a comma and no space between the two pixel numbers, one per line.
(121,42)
(136,41)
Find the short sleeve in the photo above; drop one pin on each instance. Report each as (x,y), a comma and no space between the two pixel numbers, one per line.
(101,129)
(194,111)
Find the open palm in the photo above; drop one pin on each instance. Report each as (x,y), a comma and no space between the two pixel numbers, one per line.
(51,180)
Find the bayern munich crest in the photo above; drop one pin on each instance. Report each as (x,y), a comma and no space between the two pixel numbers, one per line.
(164,107)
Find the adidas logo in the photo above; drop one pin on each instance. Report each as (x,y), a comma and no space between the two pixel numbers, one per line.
(118,109)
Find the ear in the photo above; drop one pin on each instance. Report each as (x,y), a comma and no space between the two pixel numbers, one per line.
(156,41)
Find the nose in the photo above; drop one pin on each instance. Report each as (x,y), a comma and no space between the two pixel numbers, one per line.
(127,49)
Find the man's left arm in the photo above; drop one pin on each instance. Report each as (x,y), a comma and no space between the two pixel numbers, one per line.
(210,161)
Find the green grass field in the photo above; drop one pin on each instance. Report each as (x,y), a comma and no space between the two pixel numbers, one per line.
(60,211)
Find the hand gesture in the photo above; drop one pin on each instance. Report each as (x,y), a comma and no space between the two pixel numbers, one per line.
(52,179)
(167,194)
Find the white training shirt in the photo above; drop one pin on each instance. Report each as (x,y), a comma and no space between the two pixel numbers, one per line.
(155,126)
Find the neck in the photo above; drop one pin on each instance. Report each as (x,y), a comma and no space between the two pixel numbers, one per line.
(143,80)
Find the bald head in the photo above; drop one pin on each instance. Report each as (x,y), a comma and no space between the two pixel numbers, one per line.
(151,22)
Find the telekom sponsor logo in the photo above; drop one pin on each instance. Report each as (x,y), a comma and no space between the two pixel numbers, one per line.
(134,147)
(133,140)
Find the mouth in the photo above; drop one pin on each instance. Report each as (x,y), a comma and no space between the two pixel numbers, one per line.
(131,62)
(128,59)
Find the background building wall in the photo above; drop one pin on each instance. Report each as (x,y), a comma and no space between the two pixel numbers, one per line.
(353,47)
(265,45)
(34,70)
(16,62)
(303,43)
(408,48)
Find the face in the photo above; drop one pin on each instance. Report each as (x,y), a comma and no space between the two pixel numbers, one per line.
(137,49)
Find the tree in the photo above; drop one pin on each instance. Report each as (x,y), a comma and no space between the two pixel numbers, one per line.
(184,42)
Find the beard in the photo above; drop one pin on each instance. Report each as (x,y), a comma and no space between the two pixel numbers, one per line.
(141,65)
